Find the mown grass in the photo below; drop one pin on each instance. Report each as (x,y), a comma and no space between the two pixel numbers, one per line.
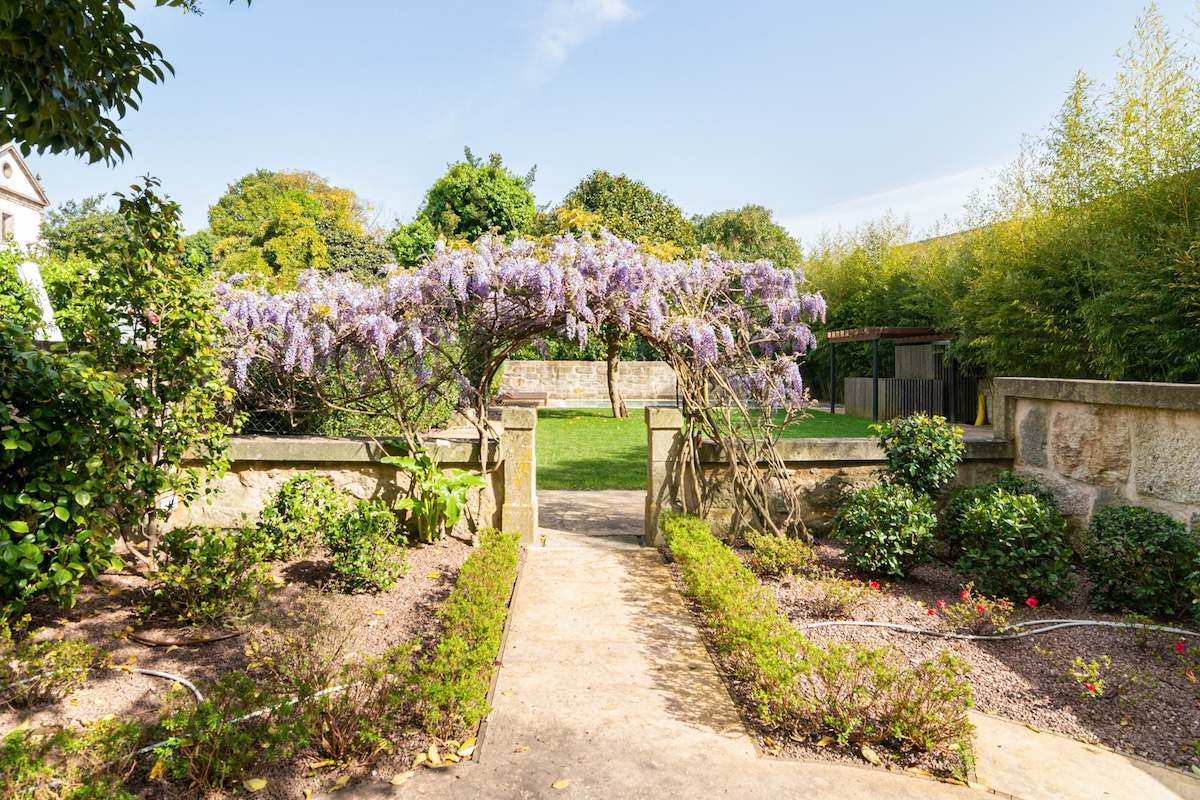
(585,448)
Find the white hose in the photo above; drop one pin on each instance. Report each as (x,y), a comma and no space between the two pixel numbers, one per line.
(1044,626)
(182,681)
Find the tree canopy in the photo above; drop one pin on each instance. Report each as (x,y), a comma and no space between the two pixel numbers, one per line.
(278,224)
(68,67)
(747,234)
(632,210)
(473,198)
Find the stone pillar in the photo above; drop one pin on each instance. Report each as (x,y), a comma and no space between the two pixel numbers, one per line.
(520,511)
(664,441)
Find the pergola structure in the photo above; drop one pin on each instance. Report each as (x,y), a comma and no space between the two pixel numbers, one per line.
(873,335)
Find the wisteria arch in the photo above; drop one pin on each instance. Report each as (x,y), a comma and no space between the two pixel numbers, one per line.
(732,331)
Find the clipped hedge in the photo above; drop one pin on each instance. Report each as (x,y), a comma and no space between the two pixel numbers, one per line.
(1140,561)
(452,682)
(857,693)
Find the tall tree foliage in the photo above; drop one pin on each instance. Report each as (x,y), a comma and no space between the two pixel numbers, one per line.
(277,224)
(473,198)
(748,234)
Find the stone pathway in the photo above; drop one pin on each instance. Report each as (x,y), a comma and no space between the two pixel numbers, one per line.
(606,682)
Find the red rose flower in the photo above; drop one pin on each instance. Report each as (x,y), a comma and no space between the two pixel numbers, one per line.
(931,612)
(1031,602)
(1179,647)
(941,604)
(874,584)
(965,594)
(979,607)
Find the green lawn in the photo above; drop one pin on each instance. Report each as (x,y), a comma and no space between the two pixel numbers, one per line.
(585,448)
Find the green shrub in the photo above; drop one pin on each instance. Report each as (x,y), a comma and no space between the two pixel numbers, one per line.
(366,554)
(1014,545)
(887,529)
(859,693)
(923,452)
(778,554)
(32,670)
(212,744)
(66,455)
(204,575)
(452,682)
(1139,560)
(86,763)
(830,596)
(303,507)
(1008,481)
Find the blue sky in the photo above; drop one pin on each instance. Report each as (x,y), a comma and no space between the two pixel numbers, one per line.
(829,113)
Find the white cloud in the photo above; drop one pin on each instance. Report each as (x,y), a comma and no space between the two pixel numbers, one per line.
(566,24)
(925,203)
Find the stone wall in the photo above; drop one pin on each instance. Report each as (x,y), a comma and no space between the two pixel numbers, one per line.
(565,382)
(823,470)
(1104,443)
(261,464)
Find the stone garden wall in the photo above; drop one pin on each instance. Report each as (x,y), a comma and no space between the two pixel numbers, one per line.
(1104,443)
(261,464)
(823,470)
(565,382)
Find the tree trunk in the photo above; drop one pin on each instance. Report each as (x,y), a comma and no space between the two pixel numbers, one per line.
(613,340)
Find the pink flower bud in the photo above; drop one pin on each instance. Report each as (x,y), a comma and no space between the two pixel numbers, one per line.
(931,612)
(152,318)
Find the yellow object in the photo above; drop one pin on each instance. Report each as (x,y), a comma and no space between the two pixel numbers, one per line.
(982,415)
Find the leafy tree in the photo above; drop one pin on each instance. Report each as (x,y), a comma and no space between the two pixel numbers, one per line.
(68,67)
(471,199)
(153,323)
(83,228)
(278,224)
(631,210)
(748,234)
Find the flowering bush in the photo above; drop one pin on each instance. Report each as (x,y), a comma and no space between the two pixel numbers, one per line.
(977,614)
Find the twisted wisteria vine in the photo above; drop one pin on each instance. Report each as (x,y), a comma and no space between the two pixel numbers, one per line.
(733,332)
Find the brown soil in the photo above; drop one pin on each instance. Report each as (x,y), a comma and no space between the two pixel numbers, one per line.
(107,608)
(1151,702)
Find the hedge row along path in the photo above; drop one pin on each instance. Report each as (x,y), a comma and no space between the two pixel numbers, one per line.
(606,683)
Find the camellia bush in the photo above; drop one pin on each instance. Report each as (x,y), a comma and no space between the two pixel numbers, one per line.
(732,331)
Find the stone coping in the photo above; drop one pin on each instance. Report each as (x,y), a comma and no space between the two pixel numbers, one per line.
(860,451)
(348,450)
(1169,396)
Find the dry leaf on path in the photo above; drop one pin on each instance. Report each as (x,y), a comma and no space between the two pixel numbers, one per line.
(254,784)
(872,756)
(561,783)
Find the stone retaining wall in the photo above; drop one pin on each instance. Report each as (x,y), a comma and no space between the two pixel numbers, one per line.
(823,470)
(565,382)
(1104,443)
(261,464)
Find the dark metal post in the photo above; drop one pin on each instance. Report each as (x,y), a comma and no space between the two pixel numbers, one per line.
(832,377)
(952,373)
(875,380)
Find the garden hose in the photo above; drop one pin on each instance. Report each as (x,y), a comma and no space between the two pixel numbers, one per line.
(152,672)
(1044,626)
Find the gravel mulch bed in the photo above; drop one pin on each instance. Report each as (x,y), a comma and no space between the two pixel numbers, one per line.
(107,611)
(1150,706)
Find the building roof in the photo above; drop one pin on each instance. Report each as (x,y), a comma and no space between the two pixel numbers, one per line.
(17,183)
(901,335)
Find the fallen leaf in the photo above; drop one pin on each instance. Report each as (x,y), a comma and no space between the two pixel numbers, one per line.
(158,769)
(561,783)
(608,707)
(509,694)
(1033,728)
(466,751)
(254,784)
(955,781)
(434,574)
(521,749)
(400,777)
(419,760)
(435,758)
(1195,769)
(131,660)
(308,794)
(329,762)
(1125,721)
(340,783)
(918,771)
(172,647)
(379,612)
(872,756)
(451,758)
(73,702)
(826,741)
